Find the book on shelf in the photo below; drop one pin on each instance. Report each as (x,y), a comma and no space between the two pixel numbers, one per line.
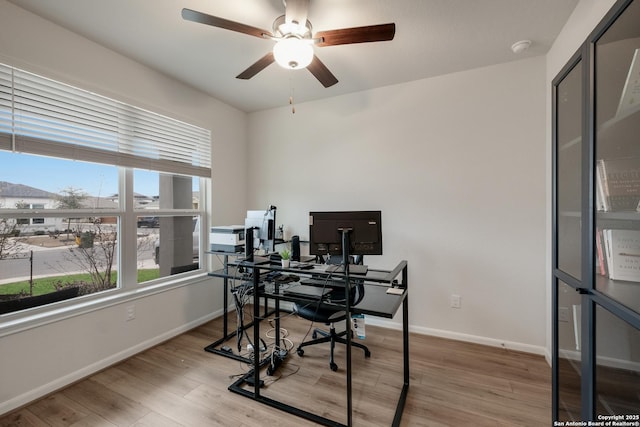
(601,262)
(618,184)
(621,257)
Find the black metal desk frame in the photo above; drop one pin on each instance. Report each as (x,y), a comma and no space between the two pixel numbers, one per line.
(226,336)
(253,376)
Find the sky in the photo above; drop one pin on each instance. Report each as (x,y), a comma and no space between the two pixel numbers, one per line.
(55,175)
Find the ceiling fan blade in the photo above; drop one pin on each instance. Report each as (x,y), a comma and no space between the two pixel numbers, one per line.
(296,11)
(203,18)
(370,33)
(258,66)
(321,72)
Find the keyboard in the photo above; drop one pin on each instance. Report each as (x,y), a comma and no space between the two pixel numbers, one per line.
(353,269)
(307,291)
(322,283)
(302,265)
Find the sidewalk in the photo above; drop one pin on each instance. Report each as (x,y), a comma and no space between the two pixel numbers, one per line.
(43,243)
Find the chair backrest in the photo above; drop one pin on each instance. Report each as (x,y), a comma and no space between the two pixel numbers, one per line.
(325,314)
(357,292)
(357,285)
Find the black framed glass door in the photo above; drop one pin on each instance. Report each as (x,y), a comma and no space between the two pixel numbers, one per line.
(596,225)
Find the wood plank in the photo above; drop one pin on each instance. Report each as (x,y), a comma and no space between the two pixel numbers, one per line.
(23,418)
(59,410)
(153,419)
(113,407)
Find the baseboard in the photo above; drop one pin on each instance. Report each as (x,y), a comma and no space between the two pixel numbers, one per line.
(492,342)
(609,362)
(60,383)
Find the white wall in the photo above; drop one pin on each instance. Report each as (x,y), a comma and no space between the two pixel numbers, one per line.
(582,21)
(457,166)
(39,360)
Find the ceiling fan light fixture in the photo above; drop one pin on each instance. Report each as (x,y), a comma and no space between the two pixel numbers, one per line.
(293,28)
(282,28)
(293,53)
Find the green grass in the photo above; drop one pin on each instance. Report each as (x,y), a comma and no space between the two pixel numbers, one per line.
(150,274)
(47,285)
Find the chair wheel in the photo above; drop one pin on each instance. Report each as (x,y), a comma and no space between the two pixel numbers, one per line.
(314,335)
(333,367)
(300,352)
(367,353)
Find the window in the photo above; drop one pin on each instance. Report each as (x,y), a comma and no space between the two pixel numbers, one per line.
(83,257)
(168,223)
(68,159)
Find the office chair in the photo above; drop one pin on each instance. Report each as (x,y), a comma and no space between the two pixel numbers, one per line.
(329,316)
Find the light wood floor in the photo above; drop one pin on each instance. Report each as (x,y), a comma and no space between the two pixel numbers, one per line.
(177,383)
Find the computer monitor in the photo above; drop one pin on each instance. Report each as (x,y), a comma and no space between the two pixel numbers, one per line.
(364,228)
(263,224)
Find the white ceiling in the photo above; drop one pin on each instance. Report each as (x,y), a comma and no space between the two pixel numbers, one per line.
(433,37)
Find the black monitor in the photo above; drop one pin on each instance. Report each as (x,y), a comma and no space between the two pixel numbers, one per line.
(364,228)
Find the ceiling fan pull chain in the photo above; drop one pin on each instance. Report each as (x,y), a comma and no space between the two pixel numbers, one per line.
(293,107)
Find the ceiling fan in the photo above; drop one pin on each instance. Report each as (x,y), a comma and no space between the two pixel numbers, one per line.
(294,39)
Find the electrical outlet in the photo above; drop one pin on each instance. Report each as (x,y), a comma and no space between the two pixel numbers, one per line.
(131,312)
(563,314)
(456,301)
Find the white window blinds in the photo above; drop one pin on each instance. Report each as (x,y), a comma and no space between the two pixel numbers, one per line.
(41,116)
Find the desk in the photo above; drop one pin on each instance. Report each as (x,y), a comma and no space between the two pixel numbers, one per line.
(375,302)
(230,271)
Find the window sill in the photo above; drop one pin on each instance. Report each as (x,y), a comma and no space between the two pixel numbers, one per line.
(12,323)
